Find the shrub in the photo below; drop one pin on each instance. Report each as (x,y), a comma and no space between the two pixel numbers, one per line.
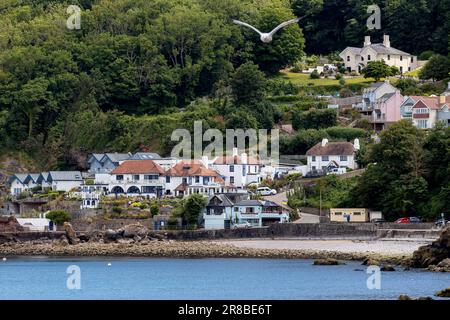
(339,76)
(314,75)
(154,210)
(58,216)
(117,209)
(342,81)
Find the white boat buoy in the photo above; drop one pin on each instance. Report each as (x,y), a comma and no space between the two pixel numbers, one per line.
(109,264)
(4,259)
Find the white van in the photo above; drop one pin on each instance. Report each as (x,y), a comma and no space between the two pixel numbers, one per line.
(265,191)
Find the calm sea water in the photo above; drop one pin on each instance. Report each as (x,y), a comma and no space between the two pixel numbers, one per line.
(151,278)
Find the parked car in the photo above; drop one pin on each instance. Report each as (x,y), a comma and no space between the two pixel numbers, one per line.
(266,191)
(378,220)
(414,220)
(244,225)
(402,220)
(337,171)
(441,222)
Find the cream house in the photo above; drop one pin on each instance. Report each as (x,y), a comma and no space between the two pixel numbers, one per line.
(356,59)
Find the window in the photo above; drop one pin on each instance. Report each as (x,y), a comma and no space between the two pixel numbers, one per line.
(348,58)
(368,57)
(119,177)
(343,158)
(167,179)
(338,213)
(356,213)
(197,179)
(409,68)
(231,179)
(231,168)
(236,209)
(421,111)
(422,124)
(401,69)
(401,58)
(313,158)
(325,158)
(389,57)
(412,59)
(136,177)
(362,58)
(151,177)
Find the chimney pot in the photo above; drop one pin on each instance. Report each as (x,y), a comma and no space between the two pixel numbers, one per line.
(386,41)
(324,142)
(367,41)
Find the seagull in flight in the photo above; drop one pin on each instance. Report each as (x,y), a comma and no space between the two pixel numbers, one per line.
(267,37)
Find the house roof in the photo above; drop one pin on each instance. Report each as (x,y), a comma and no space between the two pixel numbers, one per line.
(43,176)
(33,176)
(65,176)
(96,156)
(236,160)
(250,203)
(381,48)
(188,168)
(116,157)
(18,176)
(432,103)
(138,167)
(224,200)
(145,156)
(332,148)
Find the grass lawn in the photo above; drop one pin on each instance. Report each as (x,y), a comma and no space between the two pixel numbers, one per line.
(304,80)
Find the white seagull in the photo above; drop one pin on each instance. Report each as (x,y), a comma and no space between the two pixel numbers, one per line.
(267,37)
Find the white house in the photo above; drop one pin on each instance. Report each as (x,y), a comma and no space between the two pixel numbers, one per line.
(222,212)
(356,59)
(138,177)
(327,155)
(238,171)
(18,183)
(35,224)
(192,176)
(64,180)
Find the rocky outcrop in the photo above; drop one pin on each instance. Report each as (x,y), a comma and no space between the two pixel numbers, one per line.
(133,230)
(70,233)
(387,267)
(10,224)
(445,293)
(434,253)
(327,262)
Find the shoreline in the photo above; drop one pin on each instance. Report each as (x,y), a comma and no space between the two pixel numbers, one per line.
(186,249)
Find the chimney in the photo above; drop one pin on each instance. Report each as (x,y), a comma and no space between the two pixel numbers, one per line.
(235,152)
(367,41)
(386,41)
(442,99)
(324,142)
(244,158)
(356,144)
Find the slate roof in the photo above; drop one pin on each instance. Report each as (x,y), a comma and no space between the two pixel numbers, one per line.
(332,149)
(65,176)
(116,157)
(224,201)
(381,48)
(249,203)
(19,176)
(145,156)
(138,167)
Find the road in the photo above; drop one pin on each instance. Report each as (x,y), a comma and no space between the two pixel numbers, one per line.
(281,200)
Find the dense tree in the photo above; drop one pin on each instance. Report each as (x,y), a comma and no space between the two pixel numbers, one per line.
(378,70)
(437,68)
(314,119)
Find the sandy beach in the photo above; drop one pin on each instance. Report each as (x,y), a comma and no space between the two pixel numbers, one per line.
(382,247)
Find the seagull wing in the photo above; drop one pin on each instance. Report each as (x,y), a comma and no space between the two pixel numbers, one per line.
(284,24)
(247,25)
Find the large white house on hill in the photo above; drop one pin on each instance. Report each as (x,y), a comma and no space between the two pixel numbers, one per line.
(356,59)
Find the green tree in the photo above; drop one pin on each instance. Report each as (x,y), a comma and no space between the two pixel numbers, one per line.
(193,207)
(378,70)
(248,85)
(58,216)
(437,68)
(314,119)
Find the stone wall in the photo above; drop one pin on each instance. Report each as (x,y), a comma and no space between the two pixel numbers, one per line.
(102,224)
(29,236)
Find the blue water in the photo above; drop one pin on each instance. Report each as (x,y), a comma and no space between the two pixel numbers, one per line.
(153,278)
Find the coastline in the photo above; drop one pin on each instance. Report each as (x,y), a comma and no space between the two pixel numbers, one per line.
(187,249)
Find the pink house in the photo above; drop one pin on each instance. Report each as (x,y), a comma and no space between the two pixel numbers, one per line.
(381,105)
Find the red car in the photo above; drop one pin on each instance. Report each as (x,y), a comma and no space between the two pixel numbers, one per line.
(403,220)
